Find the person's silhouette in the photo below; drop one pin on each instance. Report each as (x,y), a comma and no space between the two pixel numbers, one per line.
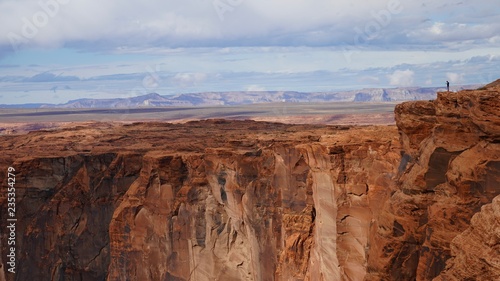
(448,86)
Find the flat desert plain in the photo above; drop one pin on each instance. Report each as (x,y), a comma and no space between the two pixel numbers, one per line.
(14,121)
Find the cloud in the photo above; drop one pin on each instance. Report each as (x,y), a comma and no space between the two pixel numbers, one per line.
(50,77)
(455,78)
(9,66)
(433,32)
(472,70)
(402,78)
(255,88)
(113,24)
(189,79)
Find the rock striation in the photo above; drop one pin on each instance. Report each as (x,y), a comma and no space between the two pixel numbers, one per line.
(449,169)
(246,200)
(208,200)
(476,251)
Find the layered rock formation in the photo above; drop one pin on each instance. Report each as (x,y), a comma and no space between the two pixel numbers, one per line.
(450,168)
(476,251)
(244,200)
(210,200)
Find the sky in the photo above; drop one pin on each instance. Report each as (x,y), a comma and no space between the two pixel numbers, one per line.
(59,50)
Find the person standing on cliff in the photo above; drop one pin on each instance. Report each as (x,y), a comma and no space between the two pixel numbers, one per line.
(448,85)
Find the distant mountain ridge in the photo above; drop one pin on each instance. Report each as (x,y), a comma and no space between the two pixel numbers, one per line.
(250,97)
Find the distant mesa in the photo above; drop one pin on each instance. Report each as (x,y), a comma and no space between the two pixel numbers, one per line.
(250,97)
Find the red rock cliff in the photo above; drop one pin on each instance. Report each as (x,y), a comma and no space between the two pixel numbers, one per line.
(243,200)
(210,200)
(451,167)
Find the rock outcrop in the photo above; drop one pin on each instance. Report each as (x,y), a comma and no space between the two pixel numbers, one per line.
(450,168)
(245,200)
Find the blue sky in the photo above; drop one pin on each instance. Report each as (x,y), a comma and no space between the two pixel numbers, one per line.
(59,50)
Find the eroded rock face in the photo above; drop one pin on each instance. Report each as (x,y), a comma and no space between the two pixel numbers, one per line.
(210,200)
(476,251)
(450,168)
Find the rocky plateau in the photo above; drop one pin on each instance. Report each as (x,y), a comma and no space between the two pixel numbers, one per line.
(246,200)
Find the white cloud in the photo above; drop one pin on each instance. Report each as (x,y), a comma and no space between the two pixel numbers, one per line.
(189,79)
(111,24)
(455,78)
(402,78)
(255,88)
(436,28)
(435,32)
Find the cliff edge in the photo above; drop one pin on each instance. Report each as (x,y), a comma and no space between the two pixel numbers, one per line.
(449,169)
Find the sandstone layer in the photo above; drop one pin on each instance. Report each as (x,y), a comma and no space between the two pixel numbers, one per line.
(208,200)
(449,169)
(476,251)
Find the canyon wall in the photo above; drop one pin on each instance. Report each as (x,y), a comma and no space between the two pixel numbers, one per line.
(209,200)
(244,200)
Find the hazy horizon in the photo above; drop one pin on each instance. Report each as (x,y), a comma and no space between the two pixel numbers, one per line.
(53,51)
